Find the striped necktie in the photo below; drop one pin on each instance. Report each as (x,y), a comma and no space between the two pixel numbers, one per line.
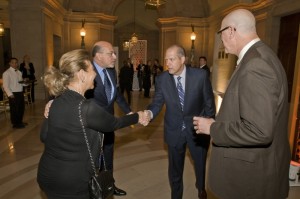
(107,85)
(180,91)
(181,96)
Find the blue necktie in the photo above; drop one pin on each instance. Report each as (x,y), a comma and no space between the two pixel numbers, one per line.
(180,91)
(181,96)
(107,85)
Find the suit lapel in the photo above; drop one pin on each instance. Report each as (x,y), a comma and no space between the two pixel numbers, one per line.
(113,81)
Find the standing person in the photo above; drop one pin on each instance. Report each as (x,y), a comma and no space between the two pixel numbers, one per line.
(13,88)
(65,169)
(203,64)
(147,79)
(157,69)
(104,59)
(27,69)
(250,154)
(186,92)
(125,80)
(140,70)
(129,62)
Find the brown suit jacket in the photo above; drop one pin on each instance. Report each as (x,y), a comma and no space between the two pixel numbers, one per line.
(250,154)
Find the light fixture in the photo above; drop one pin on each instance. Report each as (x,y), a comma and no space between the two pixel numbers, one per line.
(1,29)
(155,3)
(193,38)
(134,38)
(82,34)
(125,45)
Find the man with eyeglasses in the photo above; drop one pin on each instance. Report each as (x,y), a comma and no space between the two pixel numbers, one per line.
(250,153)
(105,93)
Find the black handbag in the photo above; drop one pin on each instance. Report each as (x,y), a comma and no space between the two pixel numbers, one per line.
(101,184)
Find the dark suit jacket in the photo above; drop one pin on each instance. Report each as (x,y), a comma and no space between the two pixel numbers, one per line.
(98,93)
(125,79)
(25,73)
(198,100)
(206,68)
(250,154)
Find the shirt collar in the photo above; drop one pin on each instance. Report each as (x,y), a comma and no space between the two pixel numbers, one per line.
(183,74)
(99,68)
(246,48)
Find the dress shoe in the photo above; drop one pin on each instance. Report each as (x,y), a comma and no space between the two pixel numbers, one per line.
(18,126)
(202,194)
(119,192)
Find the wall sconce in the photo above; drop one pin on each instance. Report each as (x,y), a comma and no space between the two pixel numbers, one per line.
(1,29)
(125,45)
(193,38)
(82,34)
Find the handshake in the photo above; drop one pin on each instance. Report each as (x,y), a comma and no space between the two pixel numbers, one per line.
(144,117)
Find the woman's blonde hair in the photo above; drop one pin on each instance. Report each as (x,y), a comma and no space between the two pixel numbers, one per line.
(56,80)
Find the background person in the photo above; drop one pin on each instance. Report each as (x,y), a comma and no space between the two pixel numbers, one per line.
(195,97)
(125,80)
(13,88)
(64,169)
(203,64)
(140,71)
(147,79)
(157,69)
(27,69)
(250,154)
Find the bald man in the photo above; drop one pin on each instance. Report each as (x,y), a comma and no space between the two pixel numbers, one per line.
(104,58)
(250,152)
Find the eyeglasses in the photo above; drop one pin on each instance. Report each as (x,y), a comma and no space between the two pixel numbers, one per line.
(220,31)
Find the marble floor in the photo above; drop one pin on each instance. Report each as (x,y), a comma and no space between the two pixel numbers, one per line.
(140,158)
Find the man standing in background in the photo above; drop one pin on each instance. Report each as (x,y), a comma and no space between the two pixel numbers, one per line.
(203,65)
(13,87)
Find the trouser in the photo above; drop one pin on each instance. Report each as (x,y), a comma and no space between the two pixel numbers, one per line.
(140,83)
(198,150)
(128,92)
(108,150)
(17,107)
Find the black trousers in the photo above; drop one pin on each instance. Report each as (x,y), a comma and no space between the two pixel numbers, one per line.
(17,107)
(108,150)
(198,149)
(126,88)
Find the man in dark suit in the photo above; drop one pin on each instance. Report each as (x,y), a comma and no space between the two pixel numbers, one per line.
(104,58)
(125,80)
(189,96)
(203,65)
(250,153)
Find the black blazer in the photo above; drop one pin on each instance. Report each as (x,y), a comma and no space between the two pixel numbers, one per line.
(198,101)
(27,74)
(65,168)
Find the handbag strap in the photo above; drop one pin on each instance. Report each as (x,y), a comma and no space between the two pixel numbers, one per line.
(101,136)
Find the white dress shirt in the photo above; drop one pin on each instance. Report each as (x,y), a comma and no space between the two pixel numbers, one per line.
(11,79)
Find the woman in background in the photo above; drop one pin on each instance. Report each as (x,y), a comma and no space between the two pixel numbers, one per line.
(27,69)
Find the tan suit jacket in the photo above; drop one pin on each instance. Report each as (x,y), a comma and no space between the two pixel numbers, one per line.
(250,154)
